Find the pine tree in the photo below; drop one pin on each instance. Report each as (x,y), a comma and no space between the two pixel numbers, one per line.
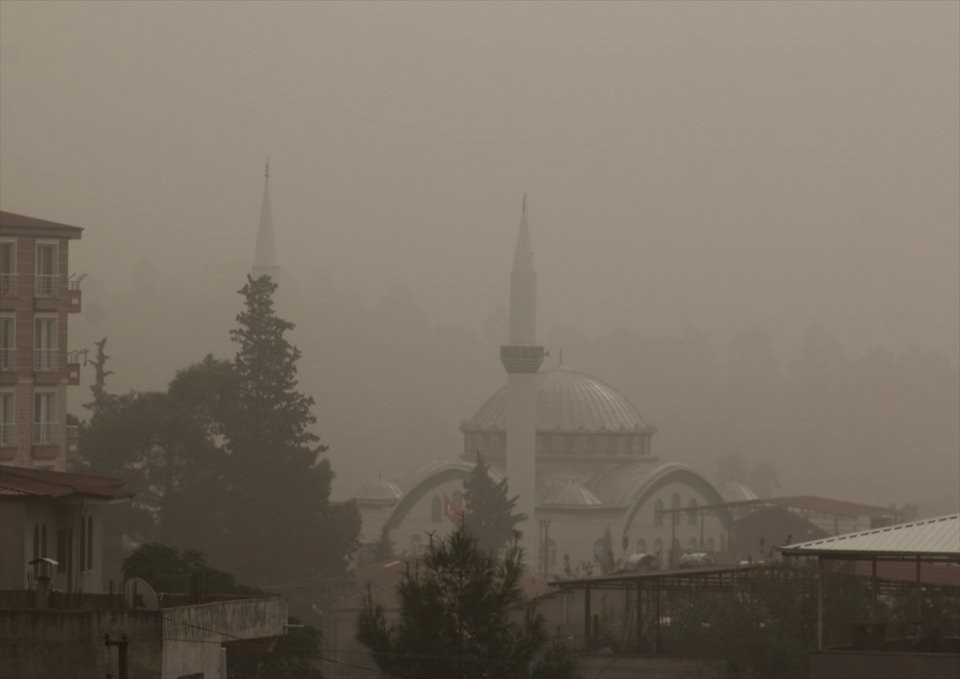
(456,619)
(278,526)
(271,417)
(488,511)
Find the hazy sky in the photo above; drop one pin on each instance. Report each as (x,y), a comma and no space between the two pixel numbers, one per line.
(711,165)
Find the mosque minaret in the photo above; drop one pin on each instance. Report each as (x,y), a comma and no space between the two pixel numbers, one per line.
(265,255)
(522,358)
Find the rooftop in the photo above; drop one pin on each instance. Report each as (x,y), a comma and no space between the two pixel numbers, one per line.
(11,222)
(22,481)
(930,538)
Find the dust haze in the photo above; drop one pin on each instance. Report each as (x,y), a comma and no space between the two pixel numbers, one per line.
(745,216)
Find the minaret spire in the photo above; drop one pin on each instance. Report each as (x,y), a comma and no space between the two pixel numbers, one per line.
(265,255)
(523,287)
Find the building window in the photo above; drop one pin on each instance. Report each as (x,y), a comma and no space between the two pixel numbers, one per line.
(86,543)
(692,512)
(641,547)
(436,509)
(45,353)
(658,513)
(8,268)
(8,343)
(44,418)
(658,547)
(711,545)
(415,544)
(7,424)
(45,271)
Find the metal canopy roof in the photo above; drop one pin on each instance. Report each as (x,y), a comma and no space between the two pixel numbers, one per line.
(811,503)
(930,538)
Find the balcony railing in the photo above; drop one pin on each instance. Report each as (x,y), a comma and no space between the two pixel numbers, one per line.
(8,285)
(46,360)
(8,360)
(46,285)
(8,434)
(44,433)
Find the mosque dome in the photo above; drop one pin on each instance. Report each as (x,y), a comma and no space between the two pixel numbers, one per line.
(567,401)
(379,490)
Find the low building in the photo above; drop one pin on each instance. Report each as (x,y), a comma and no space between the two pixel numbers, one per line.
(59,516)
(101,635)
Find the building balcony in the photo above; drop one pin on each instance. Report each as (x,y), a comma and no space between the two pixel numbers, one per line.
(8,285)
(73,292)
(73,440)
(46,360)
(73,367)
(45,434)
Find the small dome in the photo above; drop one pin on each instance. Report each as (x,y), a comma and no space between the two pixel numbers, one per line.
(379,489)
(567,401)
(569,493)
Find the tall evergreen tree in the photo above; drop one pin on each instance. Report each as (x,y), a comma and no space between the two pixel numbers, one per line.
(456,620)
(488,510)
(101,398)
(278,527)
(271,417)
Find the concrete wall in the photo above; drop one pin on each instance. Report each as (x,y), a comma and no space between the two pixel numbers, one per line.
(192,634)
(866,665)
(53,644)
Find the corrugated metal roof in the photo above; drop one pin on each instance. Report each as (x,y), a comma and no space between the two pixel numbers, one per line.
(568,493)
(567,401)
(930,537)
(44,483)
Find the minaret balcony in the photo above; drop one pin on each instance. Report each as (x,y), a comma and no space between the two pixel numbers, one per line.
(521,359)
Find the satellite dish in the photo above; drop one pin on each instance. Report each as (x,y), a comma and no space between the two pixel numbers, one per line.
(138,594)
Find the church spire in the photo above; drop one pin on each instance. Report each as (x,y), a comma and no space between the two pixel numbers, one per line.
(523,287)
(265,255)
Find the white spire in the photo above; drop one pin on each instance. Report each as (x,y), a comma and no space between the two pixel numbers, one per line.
(523,288)
(265,256)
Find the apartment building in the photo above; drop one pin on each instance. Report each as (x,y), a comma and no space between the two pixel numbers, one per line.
(37,295)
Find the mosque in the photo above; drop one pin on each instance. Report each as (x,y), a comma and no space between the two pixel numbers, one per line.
(573,449)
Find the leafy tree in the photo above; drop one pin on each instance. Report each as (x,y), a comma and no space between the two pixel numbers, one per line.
(455,619)
(488,511)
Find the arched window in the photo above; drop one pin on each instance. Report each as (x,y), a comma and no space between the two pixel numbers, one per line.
(415,544)
(436,509)
(658,513)
(692,513)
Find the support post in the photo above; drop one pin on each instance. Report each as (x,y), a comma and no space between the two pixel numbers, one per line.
(639,616)
(875,585)
(656,634)
(919,592)
(819,603)
(587,625)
